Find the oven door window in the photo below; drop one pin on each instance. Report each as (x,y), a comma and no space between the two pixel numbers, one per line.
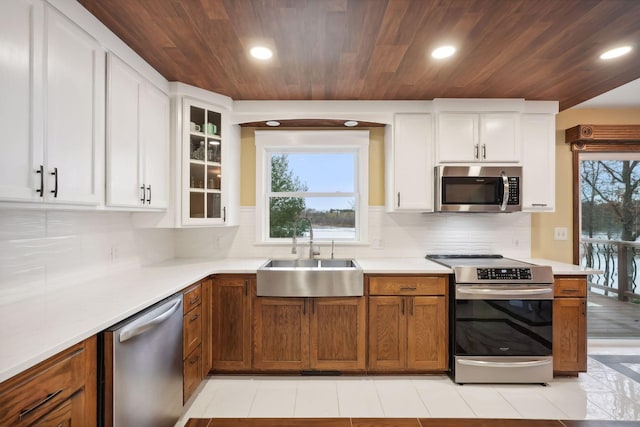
(503,327)
(472,191)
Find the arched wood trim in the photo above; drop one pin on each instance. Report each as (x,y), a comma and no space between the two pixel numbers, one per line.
(596,139)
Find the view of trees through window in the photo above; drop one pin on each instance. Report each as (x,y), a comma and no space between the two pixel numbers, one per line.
(610,199)
(316,186)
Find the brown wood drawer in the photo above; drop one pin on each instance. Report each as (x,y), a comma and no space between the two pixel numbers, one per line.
(408,285)
(192,330)
(37,391)
(192,298)
(192,371)
(570,287)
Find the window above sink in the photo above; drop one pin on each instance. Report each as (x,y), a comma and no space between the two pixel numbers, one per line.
(321,175)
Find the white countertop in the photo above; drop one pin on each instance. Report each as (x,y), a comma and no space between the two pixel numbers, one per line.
(38,327)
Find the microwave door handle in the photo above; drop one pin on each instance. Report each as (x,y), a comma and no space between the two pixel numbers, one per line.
(505,196)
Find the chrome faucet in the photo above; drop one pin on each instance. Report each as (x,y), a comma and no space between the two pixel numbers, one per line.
(294,242)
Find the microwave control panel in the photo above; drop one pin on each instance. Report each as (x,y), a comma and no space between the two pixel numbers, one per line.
(514,190)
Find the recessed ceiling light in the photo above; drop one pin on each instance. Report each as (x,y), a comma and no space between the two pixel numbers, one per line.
(350,123)
(614,53)
(272,123)
(261,52)
(443,52)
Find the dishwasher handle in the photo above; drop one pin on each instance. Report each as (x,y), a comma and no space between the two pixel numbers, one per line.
(133,331)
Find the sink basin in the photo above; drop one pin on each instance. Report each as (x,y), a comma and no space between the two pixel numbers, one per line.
(310,278)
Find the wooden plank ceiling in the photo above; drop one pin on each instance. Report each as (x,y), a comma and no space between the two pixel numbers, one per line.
(380,49)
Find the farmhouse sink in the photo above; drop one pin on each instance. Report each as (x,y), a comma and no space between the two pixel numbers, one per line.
(310,278)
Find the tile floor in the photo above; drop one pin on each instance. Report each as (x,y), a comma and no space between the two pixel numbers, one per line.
(601,393)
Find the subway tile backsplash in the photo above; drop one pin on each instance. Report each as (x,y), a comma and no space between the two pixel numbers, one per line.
(390,235)
(41,251)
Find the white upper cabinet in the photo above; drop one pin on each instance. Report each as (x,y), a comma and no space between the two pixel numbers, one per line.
(51,108)
(21,24)
(481,137)
(137,140)
(74,116)
(538,162)
(155,137)
(205,165)
(410,164)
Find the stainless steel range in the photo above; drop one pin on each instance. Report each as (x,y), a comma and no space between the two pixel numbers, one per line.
(501,315)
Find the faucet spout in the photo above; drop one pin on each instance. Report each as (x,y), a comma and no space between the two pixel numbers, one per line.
(294,241)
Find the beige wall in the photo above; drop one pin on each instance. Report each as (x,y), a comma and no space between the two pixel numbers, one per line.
(248,166)
(542,243)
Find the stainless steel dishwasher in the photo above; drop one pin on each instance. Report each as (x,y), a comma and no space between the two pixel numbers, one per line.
(142,368)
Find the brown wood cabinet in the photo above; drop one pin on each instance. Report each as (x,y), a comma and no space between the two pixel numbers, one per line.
(570,325)
(59,391)
(295,334)
(231,322)
(192,340)
(408,332)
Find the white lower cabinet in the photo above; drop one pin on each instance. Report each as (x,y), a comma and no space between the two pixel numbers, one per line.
(137,140)
(52,107)
(538,162)
(410,164)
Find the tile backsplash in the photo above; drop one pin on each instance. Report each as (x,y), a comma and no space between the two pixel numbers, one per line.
(390,235)
(43,250)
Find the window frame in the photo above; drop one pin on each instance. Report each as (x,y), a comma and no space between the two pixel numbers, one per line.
(307,141)
(595,139)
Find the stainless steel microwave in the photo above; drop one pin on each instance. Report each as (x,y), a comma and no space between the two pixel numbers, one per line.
(478,188)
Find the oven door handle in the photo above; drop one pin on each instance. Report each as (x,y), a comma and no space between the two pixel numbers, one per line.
(484,363)
(500,292)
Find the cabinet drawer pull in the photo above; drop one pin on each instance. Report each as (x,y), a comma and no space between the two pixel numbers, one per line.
(408,289)
(194,318)
(570,291)
(49,397)
(55,186)
(148,194)
(398,199)
(484,151)
(144,194)
(194,361)
(194,300)
(475,151)
(539,204)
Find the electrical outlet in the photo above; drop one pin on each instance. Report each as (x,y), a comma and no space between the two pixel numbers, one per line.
(561,233)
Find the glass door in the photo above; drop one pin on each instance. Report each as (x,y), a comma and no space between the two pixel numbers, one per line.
(204,172)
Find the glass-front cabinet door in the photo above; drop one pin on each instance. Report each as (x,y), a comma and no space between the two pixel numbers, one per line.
(203,166)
